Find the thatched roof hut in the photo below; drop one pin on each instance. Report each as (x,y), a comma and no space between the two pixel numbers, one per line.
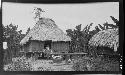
(108,38)
(46,29)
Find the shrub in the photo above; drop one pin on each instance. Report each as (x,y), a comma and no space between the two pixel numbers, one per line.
(81,64)
(19,64)
(105,65)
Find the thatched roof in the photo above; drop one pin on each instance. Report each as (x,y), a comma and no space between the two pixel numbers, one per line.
(45,29)
(107,38)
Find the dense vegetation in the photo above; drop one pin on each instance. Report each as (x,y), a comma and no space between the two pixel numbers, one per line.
(80,38)
(100,63)
(13,38)
(19,64)
(79,43)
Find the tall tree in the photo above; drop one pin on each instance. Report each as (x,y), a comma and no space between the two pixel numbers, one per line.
(37,12)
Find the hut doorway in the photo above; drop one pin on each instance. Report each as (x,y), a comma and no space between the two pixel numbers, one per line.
(47,43)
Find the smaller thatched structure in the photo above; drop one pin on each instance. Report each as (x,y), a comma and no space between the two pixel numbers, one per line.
(107,38)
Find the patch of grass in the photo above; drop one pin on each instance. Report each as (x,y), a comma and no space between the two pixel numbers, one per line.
(96,64)
(44,69)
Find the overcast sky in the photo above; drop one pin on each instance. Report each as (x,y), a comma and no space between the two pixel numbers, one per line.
(66,16)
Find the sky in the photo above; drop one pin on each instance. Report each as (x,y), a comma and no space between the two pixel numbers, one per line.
(66,16)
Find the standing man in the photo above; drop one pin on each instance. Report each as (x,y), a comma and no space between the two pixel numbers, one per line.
(47,51)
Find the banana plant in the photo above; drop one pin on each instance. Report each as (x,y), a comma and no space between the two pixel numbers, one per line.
(115,20)
(106,25)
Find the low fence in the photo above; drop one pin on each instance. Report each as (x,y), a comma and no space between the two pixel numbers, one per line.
(31,54)
(65,55)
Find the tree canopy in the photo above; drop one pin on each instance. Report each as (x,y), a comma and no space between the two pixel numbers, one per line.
(79,38)
(13,38)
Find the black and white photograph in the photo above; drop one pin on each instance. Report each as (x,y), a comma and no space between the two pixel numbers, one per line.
(61,37)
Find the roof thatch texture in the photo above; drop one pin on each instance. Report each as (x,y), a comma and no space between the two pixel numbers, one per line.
(108,38)
(45,29)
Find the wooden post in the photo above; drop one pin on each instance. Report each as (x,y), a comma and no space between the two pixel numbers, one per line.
(36,55)
(67,58)
(31,55)
(25,54)
(115,47)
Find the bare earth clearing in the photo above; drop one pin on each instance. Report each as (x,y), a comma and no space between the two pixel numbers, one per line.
(40,65)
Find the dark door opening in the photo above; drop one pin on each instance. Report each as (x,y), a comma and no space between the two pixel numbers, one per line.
(47,43)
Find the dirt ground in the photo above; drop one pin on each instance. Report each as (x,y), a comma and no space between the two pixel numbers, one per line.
(48,65)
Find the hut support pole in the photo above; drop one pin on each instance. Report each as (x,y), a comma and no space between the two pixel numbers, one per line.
(67,58)
(115,48)
(24,54)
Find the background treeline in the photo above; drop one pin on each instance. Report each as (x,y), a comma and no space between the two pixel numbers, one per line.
(80,38)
